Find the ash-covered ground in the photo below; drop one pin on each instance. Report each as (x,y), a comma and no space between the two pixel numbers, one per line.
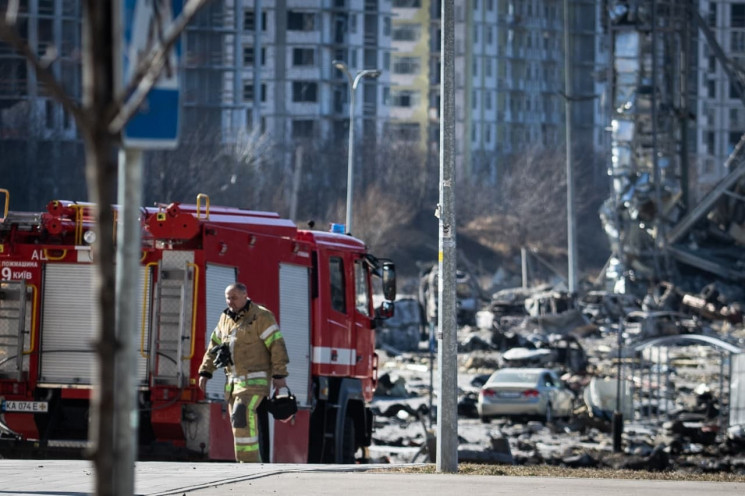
(675,397)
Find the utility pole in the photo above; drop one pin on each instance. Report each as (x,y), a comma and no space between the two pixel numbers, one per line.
(129,241)
(571,234)
(447,401)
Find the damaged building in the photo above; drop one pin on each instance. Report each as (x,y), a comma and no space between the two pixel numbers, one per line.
(675,217)
(675,78)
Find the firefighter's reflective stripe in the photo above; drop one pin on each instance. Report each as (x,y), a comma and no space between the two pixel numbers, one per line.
(250,379)
(270,335)
(247,436)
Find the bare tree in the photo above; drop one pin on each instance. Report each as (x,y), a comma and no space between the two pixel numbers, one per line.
(230,173)
(99,119)
(394,193)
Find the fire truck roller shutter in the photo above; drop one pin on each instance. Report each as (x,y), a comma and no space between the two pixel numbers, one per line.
(294,323)
(69,317)
(218,277)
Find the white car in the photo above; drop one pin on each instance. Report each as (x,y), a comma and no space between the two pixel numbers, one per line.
(524,392)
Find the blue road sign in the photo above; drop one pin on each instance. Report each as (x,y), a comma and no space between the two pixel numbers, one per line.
(156,123)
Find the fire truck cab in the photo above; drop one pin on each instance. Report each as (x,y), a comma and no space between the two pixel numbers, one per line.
(318,284)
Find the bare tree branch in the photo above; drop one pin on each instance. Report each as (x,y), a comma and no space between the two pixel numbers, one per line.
(10,35)
(151,66)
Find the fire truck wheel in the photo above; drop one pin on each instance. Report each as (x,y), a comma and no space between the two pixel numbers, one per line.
(349,447)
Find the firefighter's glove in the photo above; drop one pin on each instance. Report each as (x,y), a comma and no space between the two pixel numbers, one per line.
(222,355)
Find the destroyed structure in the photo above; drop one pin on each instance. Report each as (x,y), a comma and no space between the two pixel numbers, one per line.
(659,230)
(660,339)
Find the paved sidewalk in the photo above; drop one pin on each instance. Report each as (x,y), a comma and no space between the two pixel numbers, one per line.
(77,478)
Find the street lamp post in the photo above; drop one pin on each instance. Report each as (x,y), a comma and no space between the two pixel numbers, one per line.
(353,82)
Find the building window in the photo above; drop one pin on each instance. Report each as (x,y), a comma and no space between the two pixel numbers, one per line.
(386,26)
(248,92)
(249,20)
(711,88)
(737,15)
(304,91)
(737,41)
(407,32)
(248,55)
(405,99)
(734,138)
(336,276)
(734,92)
(352,23)
(712,14)
(710,142)
(412,4)
(303,56)
(406,65)
(301,21)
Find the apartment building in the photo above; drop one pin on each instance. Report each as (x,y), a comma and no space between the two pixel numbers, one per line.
(509,78)
(718,100)
(40,154)
(283,47)
(287,49)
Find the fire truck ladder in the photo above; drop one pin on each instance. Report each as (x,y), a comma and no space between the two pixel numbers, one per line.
(12,327)
(173,323)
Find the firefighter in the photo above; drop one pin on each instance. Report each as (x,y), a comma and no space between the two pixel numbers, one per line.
(248,343)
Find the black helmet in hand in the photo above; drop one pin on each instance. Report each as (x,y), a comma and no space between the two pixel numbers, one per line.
(282,407)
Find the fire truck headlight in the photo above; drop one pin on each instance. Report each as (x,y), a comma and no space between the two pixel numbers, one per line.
(89,237)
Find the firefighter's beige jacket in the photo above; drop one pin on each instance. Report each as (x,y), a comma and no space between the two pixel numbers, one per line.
(256,346)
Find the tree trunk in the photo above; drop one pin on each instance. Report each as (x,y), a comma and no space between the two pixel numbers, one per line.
(101,168)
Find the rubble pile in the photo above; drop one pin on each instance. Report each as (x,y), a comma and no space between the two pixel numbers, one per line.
(674,398)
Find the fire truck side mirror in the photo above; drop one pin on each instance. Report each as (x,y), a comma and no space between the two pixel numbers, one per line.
(389,280)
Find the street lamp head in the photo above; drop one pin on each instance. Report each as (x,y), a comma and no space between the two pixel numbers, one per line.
(339,65)
(372,73)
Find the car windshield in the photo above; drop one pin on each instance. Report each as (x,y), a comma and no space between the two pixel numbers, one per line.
(514,375)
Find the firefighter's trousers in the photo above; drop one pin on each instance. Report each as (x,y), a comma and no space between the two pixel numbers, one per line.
(245,423)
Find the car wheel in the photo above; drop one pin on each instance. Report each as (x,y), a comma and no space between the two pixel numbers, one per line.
(485,420)
(549,414)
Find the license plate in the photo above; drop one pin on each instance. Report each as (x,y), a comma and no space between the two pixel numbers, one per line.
(509,394)
(25,406)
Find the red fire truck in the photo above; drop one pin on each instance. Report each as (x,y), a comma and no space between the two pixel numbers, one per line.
(318,284)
